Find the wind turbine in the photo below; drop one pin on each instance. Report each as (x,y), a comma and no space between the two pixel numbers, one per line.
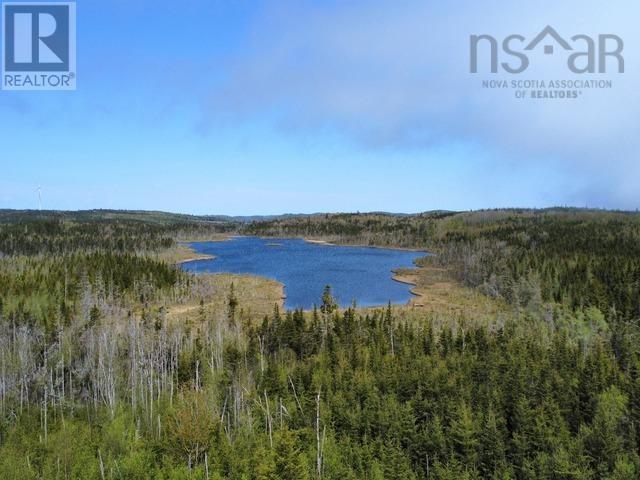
(39,190)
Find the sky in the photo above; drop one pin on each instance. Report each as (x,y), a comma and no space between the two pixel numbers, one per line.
(268,107)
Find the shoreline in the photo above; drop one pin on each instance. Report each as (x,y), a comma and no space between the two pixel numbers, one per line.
(318,242)
(403,278)
(190,255)
(409,279)
(196,257)
(308,240)
(326,242)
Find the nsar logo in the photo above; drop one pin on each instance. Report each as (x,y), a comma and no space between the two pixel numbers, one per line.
(586,54)
(39,46)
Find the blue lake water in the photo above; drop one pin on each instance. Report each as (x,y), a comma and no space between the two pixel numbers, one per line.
(362,274)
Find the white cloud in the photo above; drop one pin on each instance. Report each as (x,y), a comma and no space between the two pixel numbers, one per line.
(395,75)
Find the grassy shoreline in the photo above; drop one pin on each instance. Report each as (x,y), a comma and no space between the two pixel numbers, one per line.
(406,276)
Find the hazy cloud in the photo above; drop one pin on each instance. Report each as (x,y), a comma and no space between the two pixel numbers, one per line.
(395,75)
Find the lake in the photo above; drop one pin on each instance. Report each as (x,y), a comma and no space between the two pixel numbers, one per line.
(363,274)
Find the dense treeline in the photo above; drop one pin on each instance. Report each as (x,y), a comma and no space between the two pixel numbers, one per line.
(50,290)
(54,237)
(50,265)
(59,235)
(365,228)
(575,261)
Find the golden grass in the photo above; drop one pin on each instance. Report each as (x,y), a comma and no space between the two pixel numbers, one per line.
(436,292)
(256,297)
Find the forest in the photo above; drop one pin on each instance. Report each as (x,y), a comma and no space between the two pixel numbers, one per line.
(98,381)
(565,256)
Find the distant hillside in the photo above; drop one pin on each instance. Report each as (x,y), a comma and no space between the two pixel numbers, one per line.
(13,216)
(151,216)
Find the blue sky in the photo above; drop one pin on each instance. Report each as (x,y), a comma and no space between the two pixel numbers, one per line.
(269,107)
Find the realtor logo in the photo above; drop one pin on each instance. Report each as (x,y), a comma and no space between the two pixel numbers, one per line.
(39,46)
